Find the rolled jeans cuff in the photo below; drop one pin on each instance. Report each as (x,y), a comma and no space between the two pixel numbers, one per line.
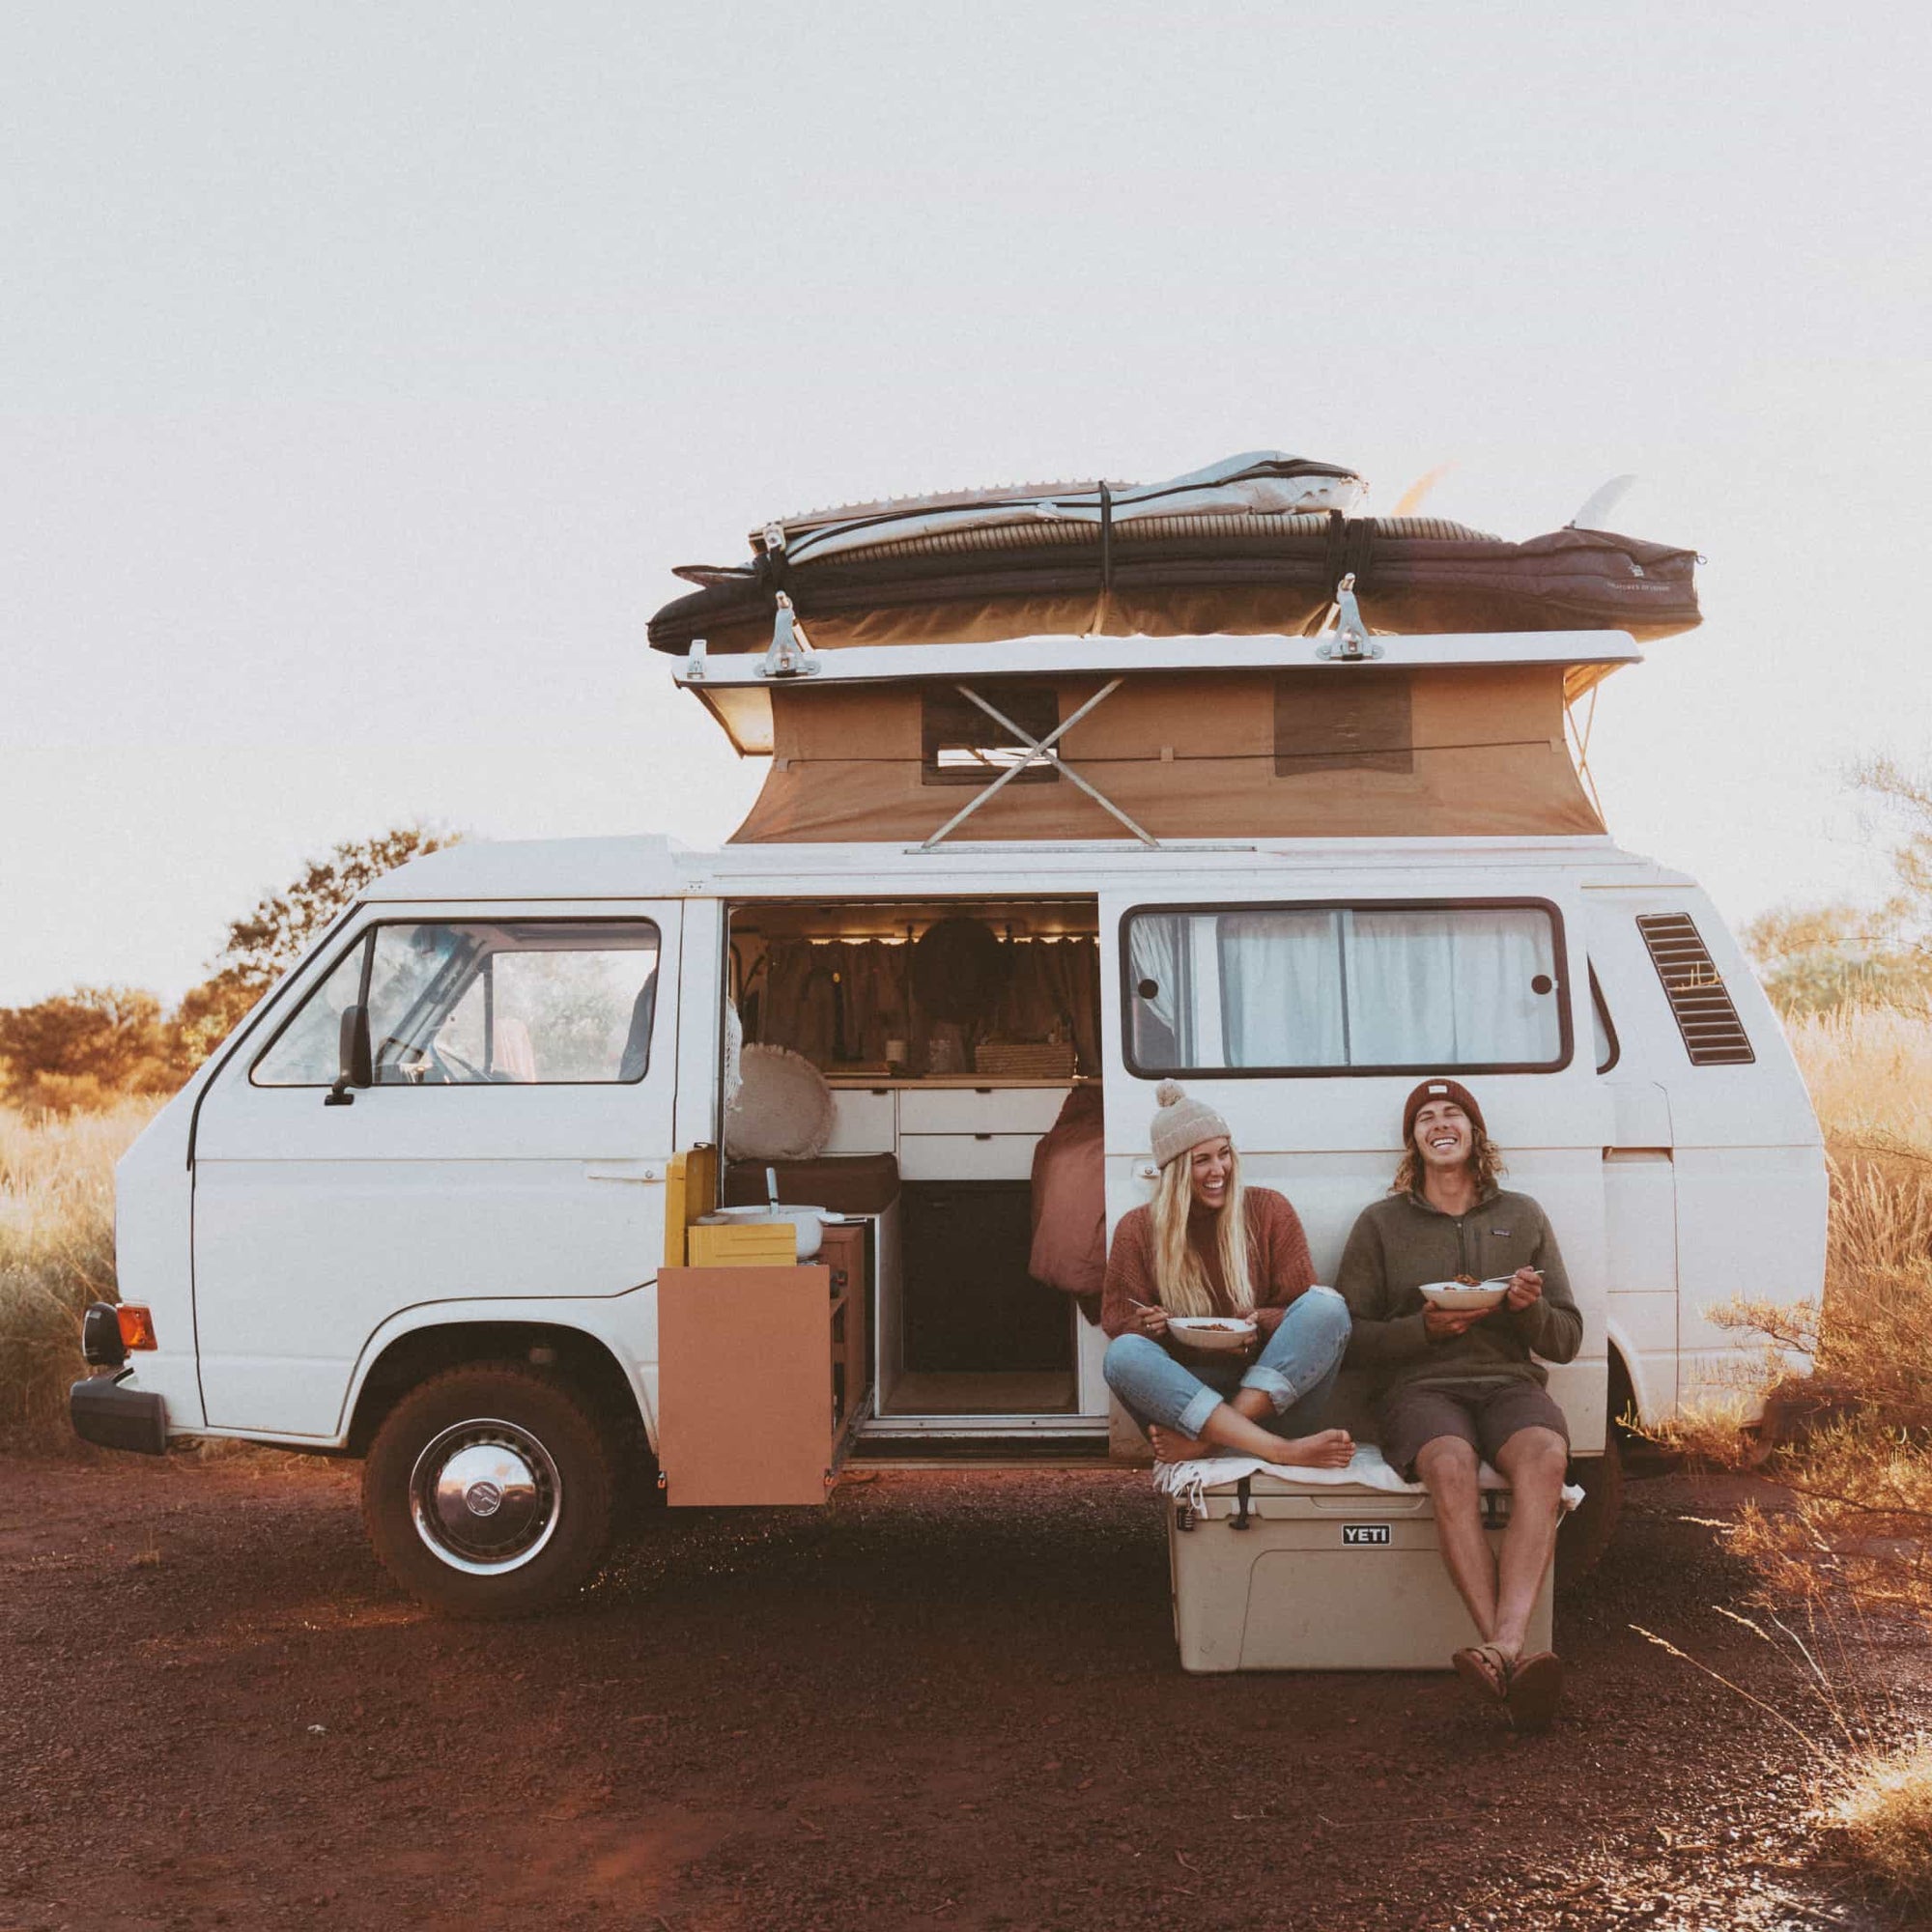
(1194,1417)
(1281,1394)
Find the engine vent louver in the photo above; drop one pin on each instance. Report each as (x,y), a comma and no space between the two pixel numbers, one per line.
(1713,1033)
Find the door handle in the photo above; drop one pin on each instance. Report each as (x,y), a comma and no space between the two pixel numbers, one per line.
(623,1170)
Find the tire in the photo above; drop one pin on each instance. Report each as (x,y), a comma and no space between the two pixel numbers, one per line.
(488,1492)
(1585,1533)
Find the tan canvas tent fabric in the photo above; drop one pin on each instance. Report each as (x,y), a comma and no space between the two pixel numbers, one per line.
(1355,752)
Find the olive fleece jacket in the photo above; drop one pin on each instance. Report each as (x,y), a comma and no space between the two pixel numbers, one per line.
(1278,1263)
(1399,1243)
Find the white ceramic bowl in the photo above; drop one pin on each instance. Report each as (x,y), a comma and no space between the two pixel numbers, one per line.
(1211,1332)
(1453,1294)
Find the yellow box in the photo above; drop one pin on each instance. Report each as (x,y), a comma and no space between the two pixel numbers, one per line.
(691,1189)
(742,1245)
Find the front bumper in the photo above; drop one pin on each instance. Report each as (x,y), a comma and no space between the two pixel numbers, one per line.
(102,1411)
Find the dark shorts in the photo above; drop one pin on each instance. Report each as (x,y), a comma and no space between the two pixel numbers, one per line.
(1485,1417)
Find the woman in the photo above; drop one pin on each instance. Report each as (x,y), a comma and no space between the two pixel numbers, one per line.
(1206,1246)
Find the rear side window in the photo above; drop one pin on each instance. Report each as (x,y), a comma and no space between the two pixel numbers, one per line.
(483,1003)
(1370,988)
(1602,1029)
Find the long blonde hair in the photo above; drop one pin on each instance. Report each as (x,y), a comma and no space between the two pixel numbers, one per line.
(1179,1279)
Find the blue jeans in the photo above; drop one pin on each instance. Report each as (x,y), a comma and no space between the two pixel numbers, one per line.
(1297,1368)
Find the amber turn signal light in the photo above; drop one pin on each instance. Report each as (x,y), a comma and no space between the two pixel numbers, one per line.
(137,1325)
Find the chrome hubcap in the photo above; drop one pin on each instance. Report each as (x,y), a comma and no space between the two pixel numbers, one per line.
(485,1498)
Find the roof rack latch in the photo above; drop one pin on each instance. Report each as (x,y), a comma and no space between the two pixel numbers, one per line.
(1351,642)
(790,653)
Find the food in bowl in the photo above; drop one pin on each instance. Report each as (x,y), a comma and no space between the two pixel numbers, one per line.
(1465,1295)
(1211,1332)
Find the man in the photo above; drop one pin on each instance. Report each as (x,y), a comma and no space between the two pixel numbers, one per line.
(1461,1388)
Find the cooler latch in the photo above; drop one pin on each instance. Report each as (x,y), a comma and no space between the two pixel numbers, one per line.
(1242,1517)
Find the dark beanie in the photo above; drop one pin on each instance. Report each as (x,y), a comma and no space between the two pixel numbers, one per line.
(1440,1090)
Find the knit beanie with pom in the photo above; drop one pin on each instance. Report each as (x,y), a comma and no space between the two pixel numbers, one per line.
(1180,1124)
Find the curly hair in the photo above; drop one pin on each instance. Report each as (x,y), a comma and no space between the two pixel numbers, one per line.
(1485,1165)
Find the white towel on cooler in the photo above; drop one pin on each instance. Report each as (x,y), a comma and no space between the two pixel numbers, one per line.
(1367,1469)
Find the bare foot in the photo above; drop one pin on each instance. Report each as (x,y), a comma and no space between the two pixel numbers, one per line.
(1329,1449)
(1171,1447)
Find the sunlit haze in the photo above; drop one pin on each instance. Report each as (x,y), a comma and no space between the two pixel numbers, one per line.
(366,371)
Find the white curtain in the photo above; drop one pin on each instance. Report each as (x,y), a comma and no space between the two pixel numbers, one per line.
(1318,988)
(1281,985)
(1163,1030)
(1449,988)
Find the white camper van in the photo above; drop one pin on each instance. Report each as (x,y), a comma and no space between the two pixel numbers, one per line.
(435,1203)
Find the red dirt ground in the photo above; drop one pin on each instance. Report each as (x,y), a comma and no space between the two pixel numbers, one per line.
(946,1700)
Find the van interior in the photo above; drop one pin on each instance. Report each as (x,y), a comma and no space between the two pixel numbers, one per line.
(960,1044)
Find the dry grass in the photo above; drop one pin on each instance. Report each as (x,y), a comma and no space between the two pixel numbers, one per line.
(1857,1465)
(1869,1073)
(1883,1819)
(56,1256)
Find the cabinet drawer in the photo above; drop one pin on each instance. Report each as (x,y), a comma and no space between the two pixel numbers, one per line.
(862,1122)
(980,1110)
(967,1157)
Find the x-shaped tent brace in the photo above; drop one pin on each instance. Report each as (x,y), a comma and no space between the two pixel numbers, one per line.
(1038,751)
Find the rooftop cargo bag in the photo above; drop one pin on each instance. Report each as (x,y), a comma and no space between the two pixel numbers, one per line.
(1251,546)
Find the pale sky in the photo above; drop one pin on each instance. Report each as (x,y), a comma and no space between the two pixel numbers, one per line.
(365,369)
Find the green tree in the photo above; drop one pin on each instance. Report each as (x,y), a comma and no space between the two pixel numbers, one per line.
(85,1049)
(1814,958)
(1903,800)
(263,943)
(266,942)
(1817,957)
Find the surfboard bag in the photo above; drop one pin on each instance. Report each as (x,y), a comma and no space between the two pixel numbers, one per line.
(1252,545)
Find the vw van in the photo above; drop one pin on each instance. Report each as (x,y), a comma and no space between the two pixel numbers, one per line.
(438,1203)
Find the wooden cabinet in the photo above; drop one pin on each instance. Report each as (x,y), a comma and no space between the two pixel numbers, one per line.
(760,1374)
(843,1253)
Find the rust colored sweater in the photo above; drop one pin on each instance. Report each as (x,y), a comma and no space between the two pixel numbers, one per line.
(1278,1262)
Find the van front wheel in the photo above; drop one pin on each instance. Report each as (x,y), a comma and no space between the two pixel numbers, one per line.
(488,1492)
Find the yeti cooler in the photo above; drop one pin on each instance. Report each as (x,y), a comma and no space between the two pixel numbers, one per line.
(1271,1575)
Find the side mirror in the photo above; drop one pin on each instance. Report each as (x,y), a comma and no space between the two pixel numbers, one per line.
(355,1060)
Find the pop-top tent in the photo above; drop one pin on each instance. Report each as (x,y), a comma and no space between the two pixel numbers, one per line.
(1150,661)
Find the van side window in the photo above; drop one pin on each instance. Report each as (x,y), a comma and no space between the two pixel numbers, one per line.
(1325,988)
(307,1051)
(1602,1031)
(467,1003)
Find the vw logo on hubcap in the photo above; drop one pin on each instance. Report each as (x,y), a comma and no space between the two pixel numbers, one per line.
(483,1498)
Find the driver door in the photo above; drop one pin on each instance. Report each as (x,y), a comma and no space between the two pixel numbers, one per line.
(512,1145)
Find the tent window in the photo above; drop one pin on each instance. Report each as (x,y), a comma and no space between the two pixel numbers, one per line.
(960,745)
(1346,721)
(1345,989)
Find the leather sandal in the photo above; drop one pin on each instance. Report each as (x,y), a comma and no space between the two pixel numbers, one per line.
(1533,1689)
(1485,1669)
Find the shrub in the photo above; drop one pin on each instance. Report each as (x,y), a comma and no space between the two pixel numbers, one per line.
(56,1256)
(1883,1819)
